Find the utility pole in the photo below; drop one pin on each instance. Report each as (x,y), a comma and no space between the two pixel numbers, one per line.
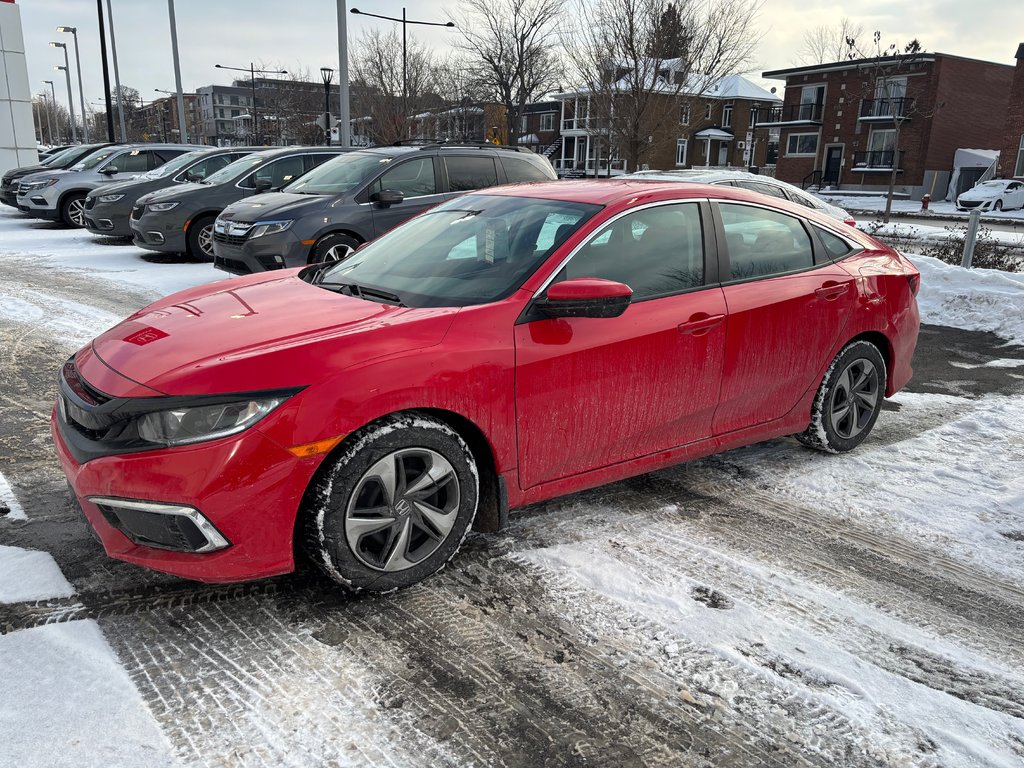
(183,132)
(117,76)
(106,72)
(49,105)
(71,102)
(344,116)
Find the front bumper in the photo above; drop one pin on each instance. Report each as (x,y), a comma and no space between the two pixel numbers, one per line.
(42,203)
(242,256)
(108,219)
(246,486)
(159,232)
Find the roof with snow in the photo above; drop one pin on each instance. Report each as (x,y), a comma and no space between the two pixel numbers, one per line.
(728,87)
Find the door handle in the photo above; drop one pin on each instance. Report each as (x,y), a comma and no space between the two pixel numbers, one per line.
(831,291)
(700,324)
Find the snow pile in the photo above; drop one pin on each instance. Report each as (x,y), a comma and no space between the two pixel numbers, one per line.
(27,574)
(876,204)
(68,702)
(10,501)
(972,299)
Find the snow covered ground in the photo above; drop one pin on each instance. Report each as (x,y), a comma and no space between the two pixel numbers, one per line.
(769,606)
(868,203)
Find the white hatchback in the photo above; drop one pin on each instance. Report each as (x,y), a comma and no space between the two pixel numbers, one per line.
(993,195)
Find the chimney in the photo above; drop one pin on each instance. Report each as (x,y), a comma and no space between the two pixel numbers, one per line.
(1020,52)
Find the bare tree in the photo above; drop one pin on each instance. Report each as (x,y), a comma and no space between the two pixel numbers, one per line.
(511,45)
(829,42)
(620,51)
(376,73)
(884,85)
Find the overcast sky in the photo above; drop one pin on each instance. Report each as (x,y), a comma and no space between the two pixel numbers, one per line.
(302,34)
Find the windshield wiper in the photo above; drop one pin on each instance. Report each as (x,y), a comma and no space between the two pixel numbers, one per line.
(362,292)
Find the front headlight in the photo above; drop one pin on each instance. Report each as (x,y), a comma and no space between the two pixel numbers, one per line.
(109,198)
(32,185)
(261,228)
(181,426)
(161,207)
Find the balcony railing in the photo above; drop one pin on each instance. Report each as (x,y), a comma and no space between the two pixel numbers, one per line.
(793,113)
(885,109)
(879,160)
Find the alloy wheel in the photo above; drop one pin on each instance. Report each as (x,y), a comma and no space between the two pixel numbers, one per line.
(205,240)
(76,212)
(854,398)
(337,253)
(402,509)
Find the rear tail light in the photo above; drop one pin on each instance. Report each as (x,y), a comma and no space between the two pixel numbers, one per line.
(914,281)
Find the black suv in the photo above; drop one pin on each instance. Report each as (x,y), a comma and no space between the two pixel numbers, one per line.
(345,202)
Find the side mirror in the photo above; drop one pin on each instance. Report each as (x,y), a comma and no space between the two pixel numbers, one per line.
(585,297)
(262,185)
(110,170)
(387,197)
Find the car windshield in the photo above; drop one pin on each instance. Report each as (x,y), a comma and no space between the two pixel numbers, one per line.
(993,185)
(173,166)
(94,159)
(233,170)
(62,155)
(472,250)
(340,174)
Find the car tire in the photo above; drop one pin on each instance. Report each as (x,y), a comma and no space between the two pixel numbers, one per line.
(200,238)
(72,210)
(363,526)
(997,205)
(848,401)
(334,247)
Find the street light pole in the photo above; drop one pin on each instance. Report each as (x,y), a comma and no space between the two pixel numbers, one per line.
(71,103)
(81,90)
(405,52)
(252,81)
(183,132)
(327,74)
(49,125)
(344,116)
(117,75)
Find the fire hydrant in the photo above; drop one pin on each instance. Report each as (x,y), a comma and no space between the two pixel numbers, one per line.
(924,202)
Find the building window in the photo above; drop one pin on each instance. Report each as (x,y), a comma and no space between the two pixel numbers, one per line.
(882,140)
(1020,159)
(234,101)
(681,151)
(812,97)
(707,112)
(684,114)
(727,116)
(547,121)
(524,123)
(802,144)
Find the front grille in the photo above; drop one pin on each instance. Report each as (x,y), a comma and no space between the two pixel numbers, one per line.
(221,237)
(970,203)
(137,211)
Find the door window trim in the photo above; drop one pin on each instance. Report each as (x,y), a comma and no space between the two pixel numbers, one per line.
(708,234)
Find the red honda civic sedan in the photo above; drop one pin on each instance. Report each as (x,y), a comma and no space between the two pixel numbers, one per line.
(502,348)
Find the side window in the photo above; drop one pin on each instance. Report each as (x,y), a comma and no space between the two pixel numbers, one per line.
(210,165)
(312,161)
(413,178)
(765,189)
(655,251)
(762,243)
(468,173)
(796,197)
(161,156)
(135,161)
(517,169)
(835,246)
(282,171)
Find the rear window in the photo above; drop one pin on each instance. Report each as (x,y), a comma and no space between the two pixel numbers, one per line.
(469,173)
(519,169)
(835,246)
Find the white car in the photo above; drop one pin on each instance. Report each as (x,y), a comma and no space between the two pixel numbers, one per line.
(752,181)
(994,195)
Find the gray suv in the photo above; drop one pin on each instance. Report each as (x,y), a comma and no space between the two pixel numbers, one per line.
(55,162)
(334,209)
(107,209)
(60,195)
(180,219)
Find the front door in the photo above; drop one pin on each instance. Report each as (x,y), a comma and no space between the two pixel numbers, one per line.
(785,315)
(591,392)
(833,162)
(723,153)
(416,179)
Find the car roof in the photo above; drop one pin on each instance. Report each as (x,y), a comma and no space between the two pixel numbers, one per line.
(272,152)
(395,150)
(709,176)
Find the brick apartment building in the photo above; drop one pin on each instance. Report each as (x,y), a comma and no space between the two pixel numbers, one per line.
(1011,154)
(717,129)
(838,120)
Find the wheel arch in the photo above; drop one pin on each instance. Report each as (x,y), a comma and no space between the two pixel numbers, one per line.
(881,341)
(68,193)
(348,232)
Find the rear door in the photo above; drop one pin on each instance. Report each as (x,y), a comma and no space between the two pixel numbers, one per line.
(788,304)
(591,392)
(416,179)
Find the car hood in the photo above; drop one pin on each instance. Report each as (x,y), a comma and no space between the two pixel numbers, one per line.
(273,205)
(46,175)
(17,173)
(116,186)
(175,192)
(978,194)
(254,333)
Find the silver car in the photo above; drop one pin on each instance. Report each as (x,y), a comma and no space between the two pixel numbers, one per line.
(60,195)
(751,181)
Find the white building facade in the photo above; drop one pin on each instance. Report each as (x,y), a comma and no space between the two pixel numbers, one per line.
(17,131)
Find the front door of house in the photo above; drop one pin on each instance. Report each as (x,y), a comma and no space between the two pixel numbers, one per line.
(723,153)
(833,162)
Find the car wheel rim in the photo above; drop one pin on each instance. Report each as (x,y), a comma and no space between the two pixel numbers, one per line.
(76,212)
(854,398)
(337,253)
(205,240)
(999,205)
(402,510)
